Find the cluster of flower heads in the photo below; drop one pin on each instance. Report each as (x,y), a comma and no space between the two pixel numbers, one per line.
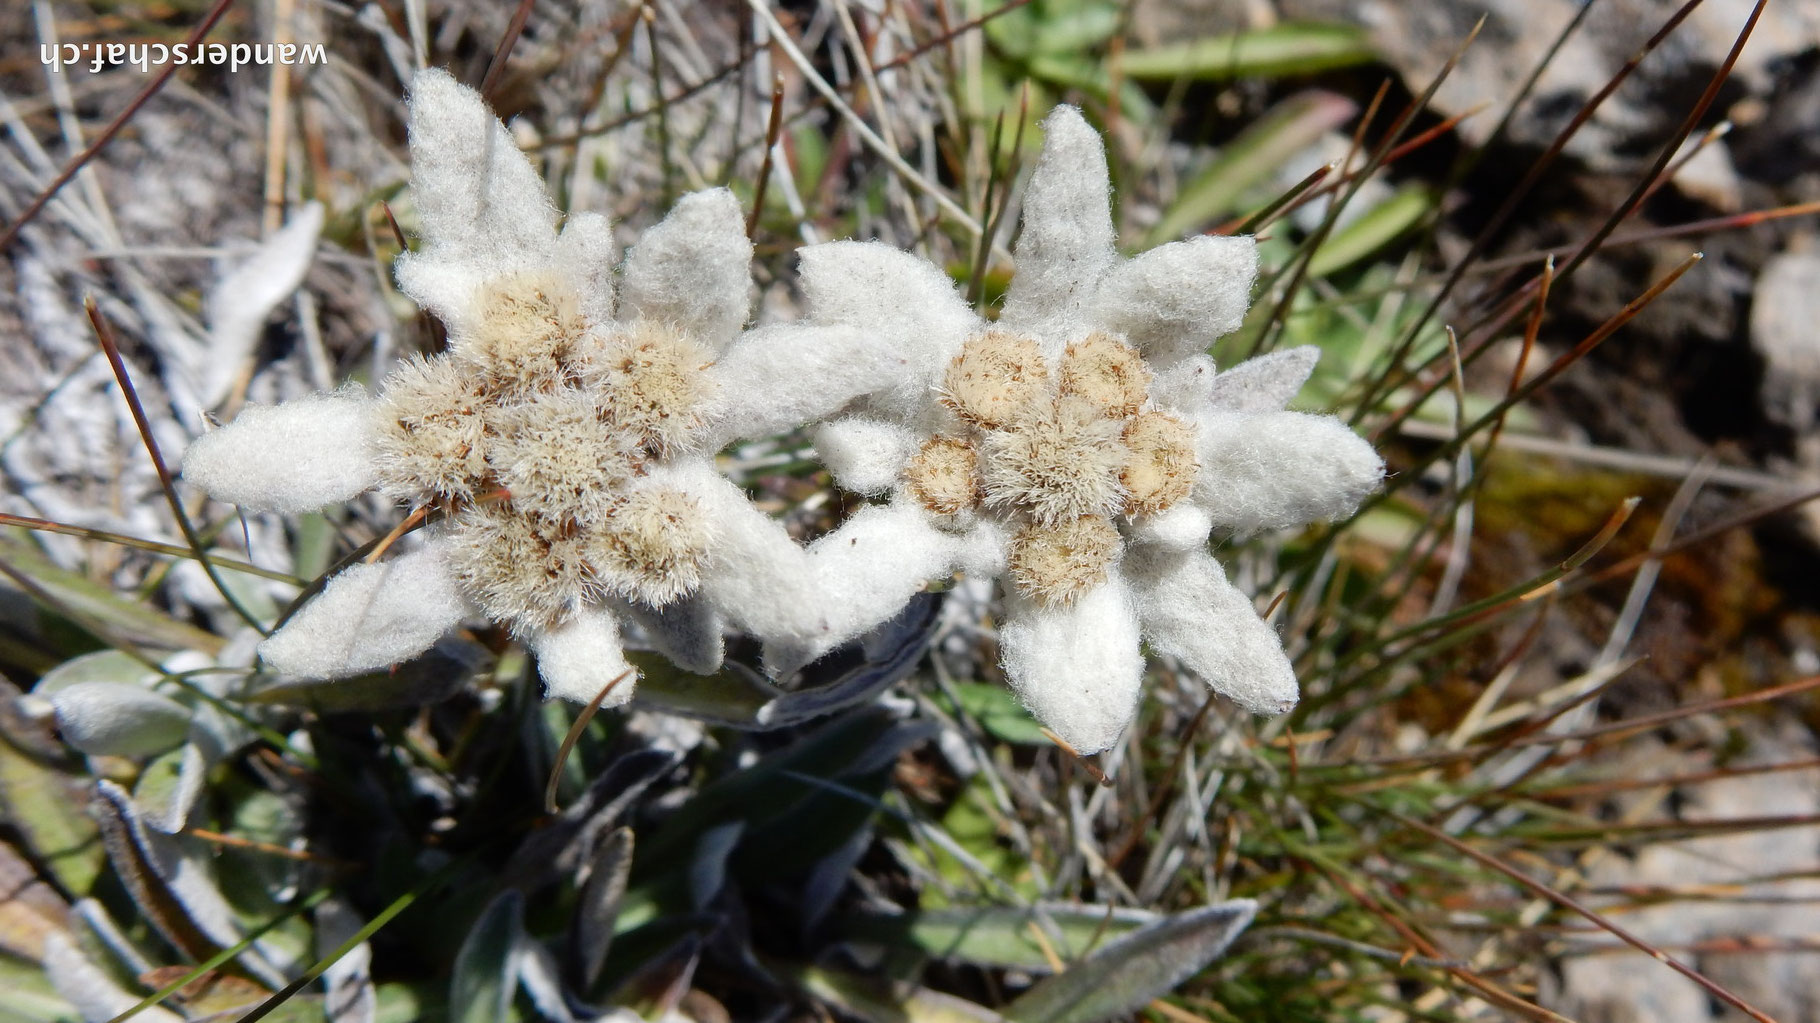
(1082,447)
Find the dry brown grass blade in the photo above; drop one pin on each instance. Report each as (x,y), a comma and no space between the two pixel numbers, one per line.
(574,735)
(1730,222)
(104,333)
(508,39)
(1601,788)
(113,128)
(947,36)
(1569,903)
(1279,312)
(1391,380)
(1433,952)
(773,128)
(1547,376)
(1694,116)
(154,546)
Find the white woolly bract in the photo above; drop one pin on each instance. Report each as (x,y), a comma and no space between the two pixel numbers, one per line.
(693,271)
(1076,668)
(480,203)
(296,457)
(583,656)
(120,720)
(238,305)
(1176,300)
(371,616)
(1066,241)
(1180,527)
(1280,469)
(1185,384)
(865,456)
(774,379)
(1266,383)
(855,588)
(586,254)
(1190,612)
(754,573)
(904,303)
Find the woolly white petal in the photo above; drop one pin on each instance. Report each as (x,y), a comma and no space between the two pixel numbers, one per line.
(686,630)
(865,456)
(1066,244)
(1190,612)
(1276,470)
(694,270)
(115,719)
(1077,669)
(1266,383)
(1181,527)
(863,573)
(238,305)
(371,616)
(1185,385)
(480,203)
(776,378)
(1177,299)
(296,457)
(586,253)
(908,306)
(582,656)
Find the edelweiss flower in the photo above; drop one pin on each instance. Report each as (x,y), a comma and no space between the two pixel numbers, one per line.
(563,443)
(1083,448)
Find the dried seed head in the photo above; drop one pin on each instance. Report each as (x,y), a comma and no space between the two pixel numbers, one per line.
(653,546)
(529,574)
(525,333)
(431,442)
(1056,461)
(650,381)
(558,460)
(1107,373)
(1056,564)
(996,376)
(1161,468)
(943,475)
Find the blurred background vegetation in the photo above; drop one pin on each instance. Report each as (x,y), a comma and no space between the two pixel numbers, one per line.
(1555,757)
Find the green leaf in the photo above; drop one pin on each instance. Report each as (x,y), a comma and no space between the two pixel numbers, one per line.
(1292,48)
(998,712)
(486,969)
(1053,27)
(890,1002)
(45,807)
(100,666)
(431,678)
(30,998)
(127,620)
(1251,159)
(1002,935)
(1125,975)
(1372,230)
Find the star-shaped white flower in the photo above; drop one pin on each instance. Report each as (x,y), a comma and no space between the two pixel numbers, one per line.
(1081,448)
(563,443)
